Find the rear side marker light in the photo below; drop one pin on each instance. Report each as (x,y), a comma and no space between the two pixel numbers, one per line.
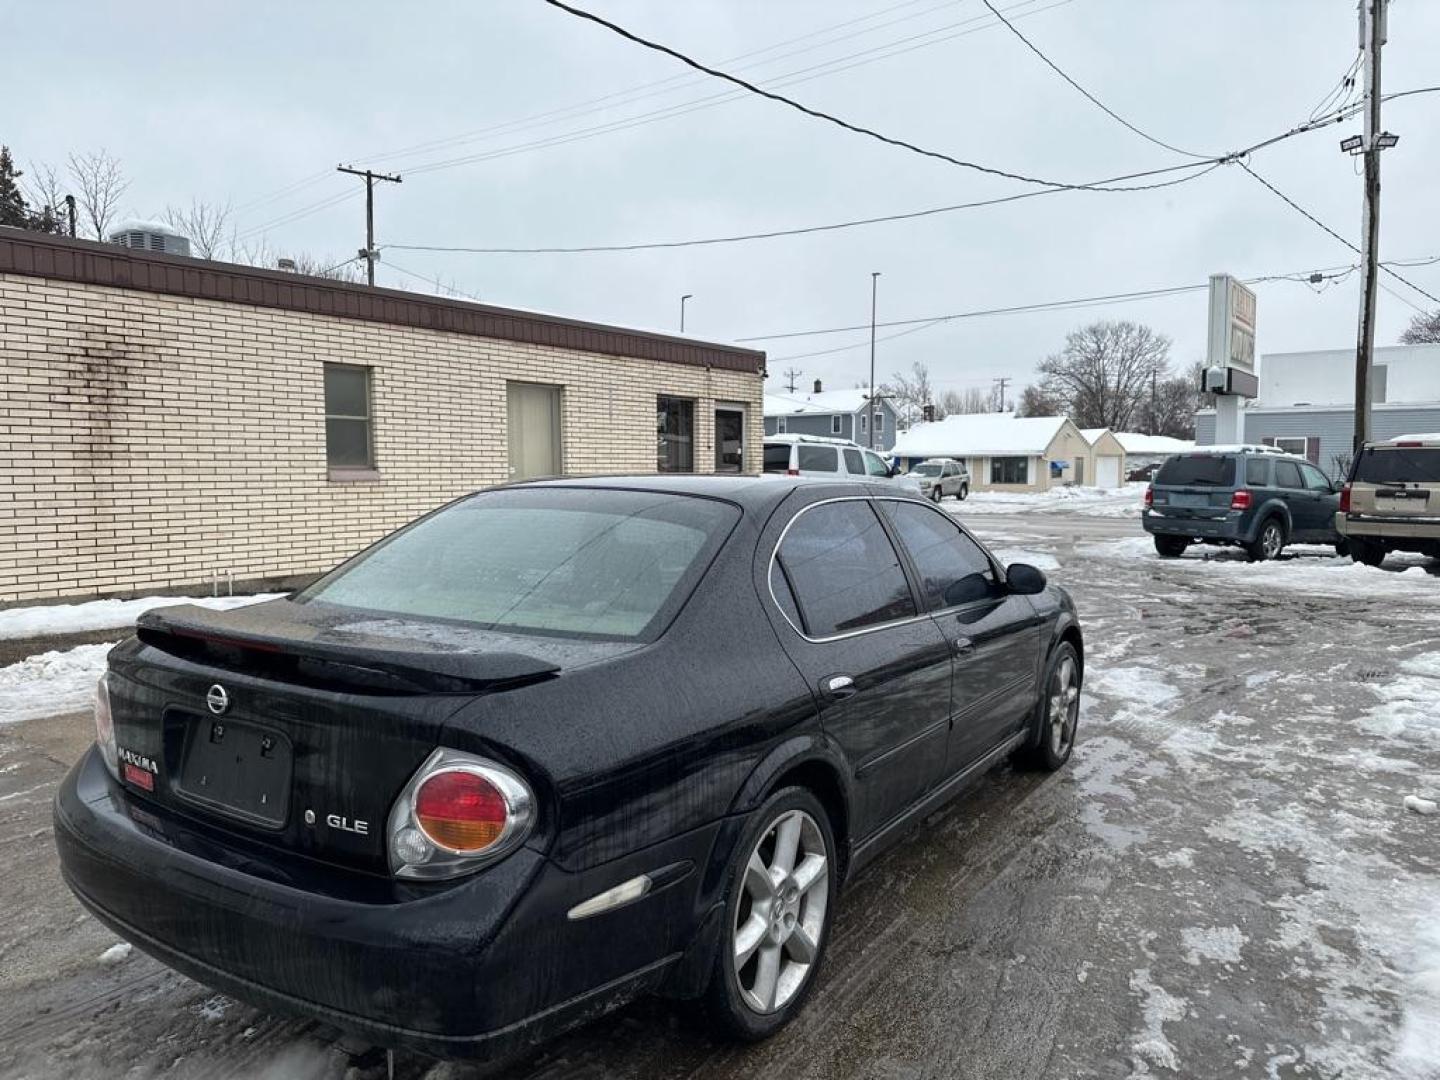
(1149,496)
(1345,499)
(459,812)
(1241,500)
(141,778)
(624,893)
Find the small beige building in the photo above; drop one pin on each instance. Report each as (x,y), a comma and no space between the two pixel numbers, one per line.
(1107,458)
(168,423)
(1003,452)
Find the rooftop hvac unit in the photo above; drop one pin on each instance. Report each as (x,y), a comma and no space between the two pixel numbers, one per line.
(150,236)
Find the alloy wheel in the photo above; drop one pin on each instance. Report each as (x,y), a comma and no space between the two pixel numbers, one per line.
(780,918)
(1064,707)
(1271,541)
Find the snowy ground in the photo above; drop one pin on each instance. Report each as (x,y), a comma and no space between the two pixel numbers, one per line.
(1122,502)
(1225,882)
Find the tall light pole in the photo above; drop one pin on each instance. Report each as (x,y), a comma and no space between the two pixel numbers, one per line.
(687,296)
(870,404)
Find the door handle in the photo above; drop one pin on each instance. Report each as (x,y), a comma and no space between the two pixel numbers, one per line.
(838,686)
(963,646)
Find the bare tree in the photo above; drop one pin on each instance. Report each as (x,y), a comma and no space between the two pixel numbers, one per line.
(1103,374)
(204,224)
(46,190)
(260,253)
(100,184)
(910,394)
(1174,408)
(1036,401)
(968,401)
(1424,329)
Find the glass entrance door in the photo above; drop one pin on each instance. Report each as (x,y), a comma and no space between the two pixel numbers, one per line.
(729,439)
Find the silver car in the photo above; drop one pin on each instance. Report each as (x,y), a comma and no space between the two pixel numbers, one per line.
(939,477)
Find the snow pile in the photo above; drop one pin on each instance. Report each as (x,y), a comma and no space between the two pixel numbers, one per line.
(1086,501)
(25,622)
(116,954)
(51,683)
(1151,1047)
(1421,806)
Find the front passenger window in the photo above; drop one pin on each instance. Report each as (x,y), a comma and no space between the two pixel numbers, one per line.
(954,570)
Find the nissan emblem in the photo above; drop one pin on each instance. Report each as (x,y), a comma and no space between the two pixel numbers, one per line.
(217,699)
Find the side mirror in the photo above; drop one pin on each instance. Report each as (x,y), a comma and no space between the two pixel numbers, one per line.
(893,471)
(1024,579)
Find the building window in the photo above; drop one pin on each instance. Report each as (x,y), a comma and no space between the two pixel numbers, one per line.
(1291,446)
(879,422)
(674,434)
(864,425)
(1010,470)
(780,426)
(834,425)
(348,443)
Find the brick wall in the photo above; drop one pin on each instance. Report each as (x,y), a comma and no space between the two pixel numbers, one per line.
(150,441)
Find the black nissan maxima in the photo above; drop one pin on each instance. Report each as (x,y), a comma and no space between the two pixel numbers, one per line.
(558,744)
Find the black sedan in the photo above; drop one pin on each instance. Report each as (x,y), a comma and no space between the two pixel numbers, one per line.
(556,745)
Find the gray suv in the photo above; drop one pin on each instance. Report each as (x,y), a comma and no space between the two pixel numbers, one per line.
(1254,497)
(939,477)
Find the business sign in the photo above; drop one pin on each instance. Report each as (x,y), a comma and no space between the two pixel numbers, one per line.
(1232,324)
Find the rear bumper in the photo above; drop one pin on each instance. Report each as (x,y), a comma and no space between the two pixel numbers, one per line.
(483,968)
(1380,526)
(1231,528)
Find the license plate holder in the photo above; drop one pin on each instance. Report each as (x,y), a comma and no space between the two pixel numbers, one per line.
(1189,500)
(236,769)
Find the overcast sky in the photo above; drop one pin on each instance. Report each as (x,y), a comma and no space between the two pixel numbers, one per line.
(237,103)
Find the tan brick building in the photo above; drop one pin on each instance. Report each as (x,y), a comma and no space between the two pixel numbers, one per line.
(167,421)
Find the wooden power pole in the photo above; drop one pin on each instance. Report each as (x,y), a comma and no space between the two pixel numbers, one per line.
(369,254)
(1372,37)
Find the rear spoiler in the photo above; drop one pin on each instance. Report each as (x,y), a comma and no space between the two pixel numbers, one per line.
(296,642)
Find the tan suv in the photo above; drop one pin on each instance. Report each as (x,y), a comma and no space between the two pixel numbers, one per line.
(1391,501)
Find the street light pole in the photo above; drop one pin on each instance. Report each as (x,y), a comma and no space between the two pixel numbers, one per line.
(687,296)
(870,402)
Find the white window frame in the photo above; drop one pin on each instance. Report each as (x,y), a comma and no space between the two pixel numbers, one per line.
(879,421)
(835,424)
(864,424)
(1303,440)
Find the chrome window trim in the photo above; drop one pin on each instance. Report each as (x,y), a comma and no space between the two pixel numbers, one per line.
(775,555)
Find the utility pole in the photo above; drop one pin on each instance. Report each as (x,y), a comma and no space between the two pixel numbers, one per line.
(1000,391)
(791,374)
(1154,399)
(687,296)
(369,254)
(870,403)
(1372,37)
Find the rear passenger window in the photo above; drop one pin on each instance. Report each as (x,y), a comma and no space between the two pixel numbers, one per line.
(1257,472)
(853,462)
(874,466)
(844,570)
(1287,475)
(818,459)
(953,569)
(1315,480)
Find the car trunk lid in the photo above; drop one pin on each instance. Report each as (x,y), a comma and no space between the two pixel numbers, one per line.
(296,725)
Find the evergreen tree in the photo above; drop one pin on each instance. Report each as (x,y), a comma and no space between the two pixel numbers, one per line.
(13,210)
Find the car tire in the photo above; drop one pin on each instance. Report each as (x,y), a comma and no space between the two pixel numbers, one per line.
(1269,540)
(787,922)
(936,494)
(1171,547)
(1367,552)
(964,492)
(1057,712)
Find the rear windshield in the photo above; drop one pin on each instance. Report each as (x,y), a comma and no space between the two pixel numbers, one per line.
(570,562)
(777,457)
(1401,465)
(1199,470)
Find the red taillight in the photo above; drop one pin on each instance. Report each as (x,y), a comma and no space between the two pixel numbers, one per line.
(1149,496)
(1410,444)
(792,472)
(1345,499)
(1241,500)
(461,811)
(105,726)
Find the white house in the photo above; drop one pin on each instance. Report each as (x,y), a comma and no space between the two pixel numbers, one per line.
(1002,451)
(1306,402)
(1107,457)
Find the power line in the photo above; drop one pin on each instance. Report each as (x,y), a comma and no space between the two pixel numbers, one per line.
(1326,228)
(804,230)
(817,114)
(1086,93)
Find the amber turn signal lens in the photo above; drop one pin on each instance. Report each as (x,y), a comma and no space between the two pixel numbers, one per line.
(460,811)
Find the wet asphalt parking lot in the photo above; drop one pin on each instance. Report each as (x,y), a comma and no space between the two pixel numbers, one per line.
(1224,882)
